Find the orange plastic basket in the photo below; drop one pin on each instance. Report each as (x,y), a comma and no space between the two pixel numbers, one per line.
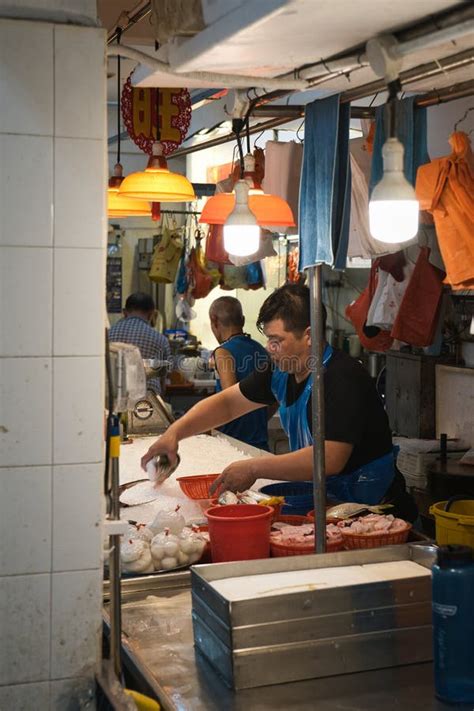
(279,550)
(353,541)
(197,487)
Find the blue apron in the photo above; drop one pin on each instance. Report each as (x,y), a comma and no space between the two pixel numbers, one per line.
(367,484)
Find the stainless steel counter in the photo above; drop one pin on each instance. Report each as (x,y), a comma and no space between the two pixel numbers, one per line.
(158,647)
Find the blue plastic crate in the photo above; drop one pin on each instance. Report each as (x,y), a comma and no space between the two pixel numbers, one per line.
(298,496)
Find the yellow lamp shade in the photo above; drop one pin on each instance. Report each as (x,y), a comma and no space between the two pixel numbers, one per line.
(157,185)
(119,206)
(270,210)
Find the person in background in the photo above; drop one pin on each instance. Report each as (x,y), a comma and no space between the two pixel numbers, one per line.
(236,357)
(360,458)
(136,327)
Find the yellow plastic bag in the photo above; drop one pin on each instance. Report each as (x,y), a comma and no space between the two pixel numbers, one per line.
(166,256)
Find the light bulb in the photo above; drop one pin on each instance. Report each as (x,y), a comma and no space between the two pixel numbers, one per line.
(241,231)
(393,207)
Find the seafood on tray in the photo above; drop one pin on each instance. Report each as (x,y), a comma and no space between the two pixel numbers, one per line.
(286,534)
(349,510)
(373,524)
(249,497)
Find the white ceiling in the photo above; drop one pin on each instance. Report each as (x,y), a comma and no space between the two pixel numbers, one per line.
(272,37)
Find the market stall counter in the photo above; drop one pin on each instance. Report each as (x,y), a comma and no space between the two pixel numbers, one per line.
(158,649)
(160,659)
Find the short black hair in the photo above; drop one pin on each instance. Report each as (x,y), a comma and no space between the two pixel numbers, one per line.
(139,301)
(291,303)
(228,310)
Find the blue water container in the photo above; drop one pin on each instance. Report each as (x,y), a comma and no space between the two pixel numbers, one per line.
(453,624)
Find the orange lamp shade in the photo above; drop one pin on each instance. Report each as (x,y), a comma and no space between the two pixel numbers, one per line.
(269,210)
(118,206)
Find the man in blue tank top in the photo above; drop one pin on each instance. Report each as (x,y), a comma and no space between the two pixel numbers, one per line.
(237,357)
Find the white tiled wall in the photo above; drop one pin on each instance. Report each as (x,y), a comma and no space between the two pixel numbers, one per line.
(52,291)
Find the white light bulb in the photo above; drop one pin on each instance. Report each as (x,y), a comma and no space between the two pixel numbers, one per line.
(241,231)
(393,207)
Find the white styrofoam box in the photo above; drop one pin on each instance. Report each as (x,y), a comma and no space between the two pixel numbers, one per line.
(25,411)
(27,697)
(79,292)
(79,62)
(77,514)
(26,78)
(26,290)
(80,183)
(76,623)
(78,410)
(75,693)
(26,190)
(25,624)
(25,520)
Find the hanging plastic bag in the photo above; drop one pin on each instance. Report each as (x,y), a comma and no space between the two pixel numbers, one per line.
(254,275)
(371,337)
(215,251)
(417,316)
(265,249)
(182,284)
(166,256)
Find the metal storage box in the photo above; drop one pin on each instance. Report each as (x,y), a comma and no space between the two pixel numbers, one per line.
(317,632)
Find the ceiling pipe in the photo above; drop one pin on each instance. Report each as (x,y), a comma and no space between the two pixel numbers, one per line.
(410,76)
(457,91)
(230,81)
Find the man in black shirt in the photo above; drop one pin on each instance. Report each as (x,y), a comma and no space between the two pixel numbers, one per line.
(358,445)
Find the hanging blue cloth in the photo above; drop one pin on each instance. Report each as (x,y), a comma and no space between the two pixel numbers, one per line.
(367,484)
(325,194)
(411,132)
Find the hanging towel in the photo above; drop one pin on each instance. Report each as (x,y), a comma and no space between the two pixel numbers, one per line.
(411,132)
(445,187)
(282,175)
(325,184)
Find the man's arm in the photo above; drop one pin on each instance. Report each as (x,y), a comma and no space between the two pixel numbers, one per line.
(225,367)
(295,466)
(205,415)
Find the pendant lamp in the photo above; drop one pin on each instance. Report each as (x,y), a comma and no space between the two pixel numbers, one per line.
(241,229)
(269,210)
(157,183)
(117,205)
(393,207)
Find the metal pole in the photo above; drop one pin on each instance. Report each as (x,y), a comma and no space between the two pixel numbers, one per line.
(114,555)
(317,400)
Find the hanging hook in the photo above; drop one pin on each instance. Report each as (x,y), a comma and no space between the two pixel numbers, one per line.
(463,118)
(298,131)
(258,138)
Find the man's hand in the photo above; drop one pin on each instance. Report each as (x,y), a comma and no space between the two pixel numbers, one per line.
(166,444)
(238,476)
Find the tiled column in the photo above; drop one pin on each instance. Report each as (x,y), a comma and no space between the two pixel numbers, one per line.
(52,284)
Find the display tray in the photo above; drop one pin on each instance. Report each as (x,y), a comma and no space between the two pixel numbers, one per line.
(311,630)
